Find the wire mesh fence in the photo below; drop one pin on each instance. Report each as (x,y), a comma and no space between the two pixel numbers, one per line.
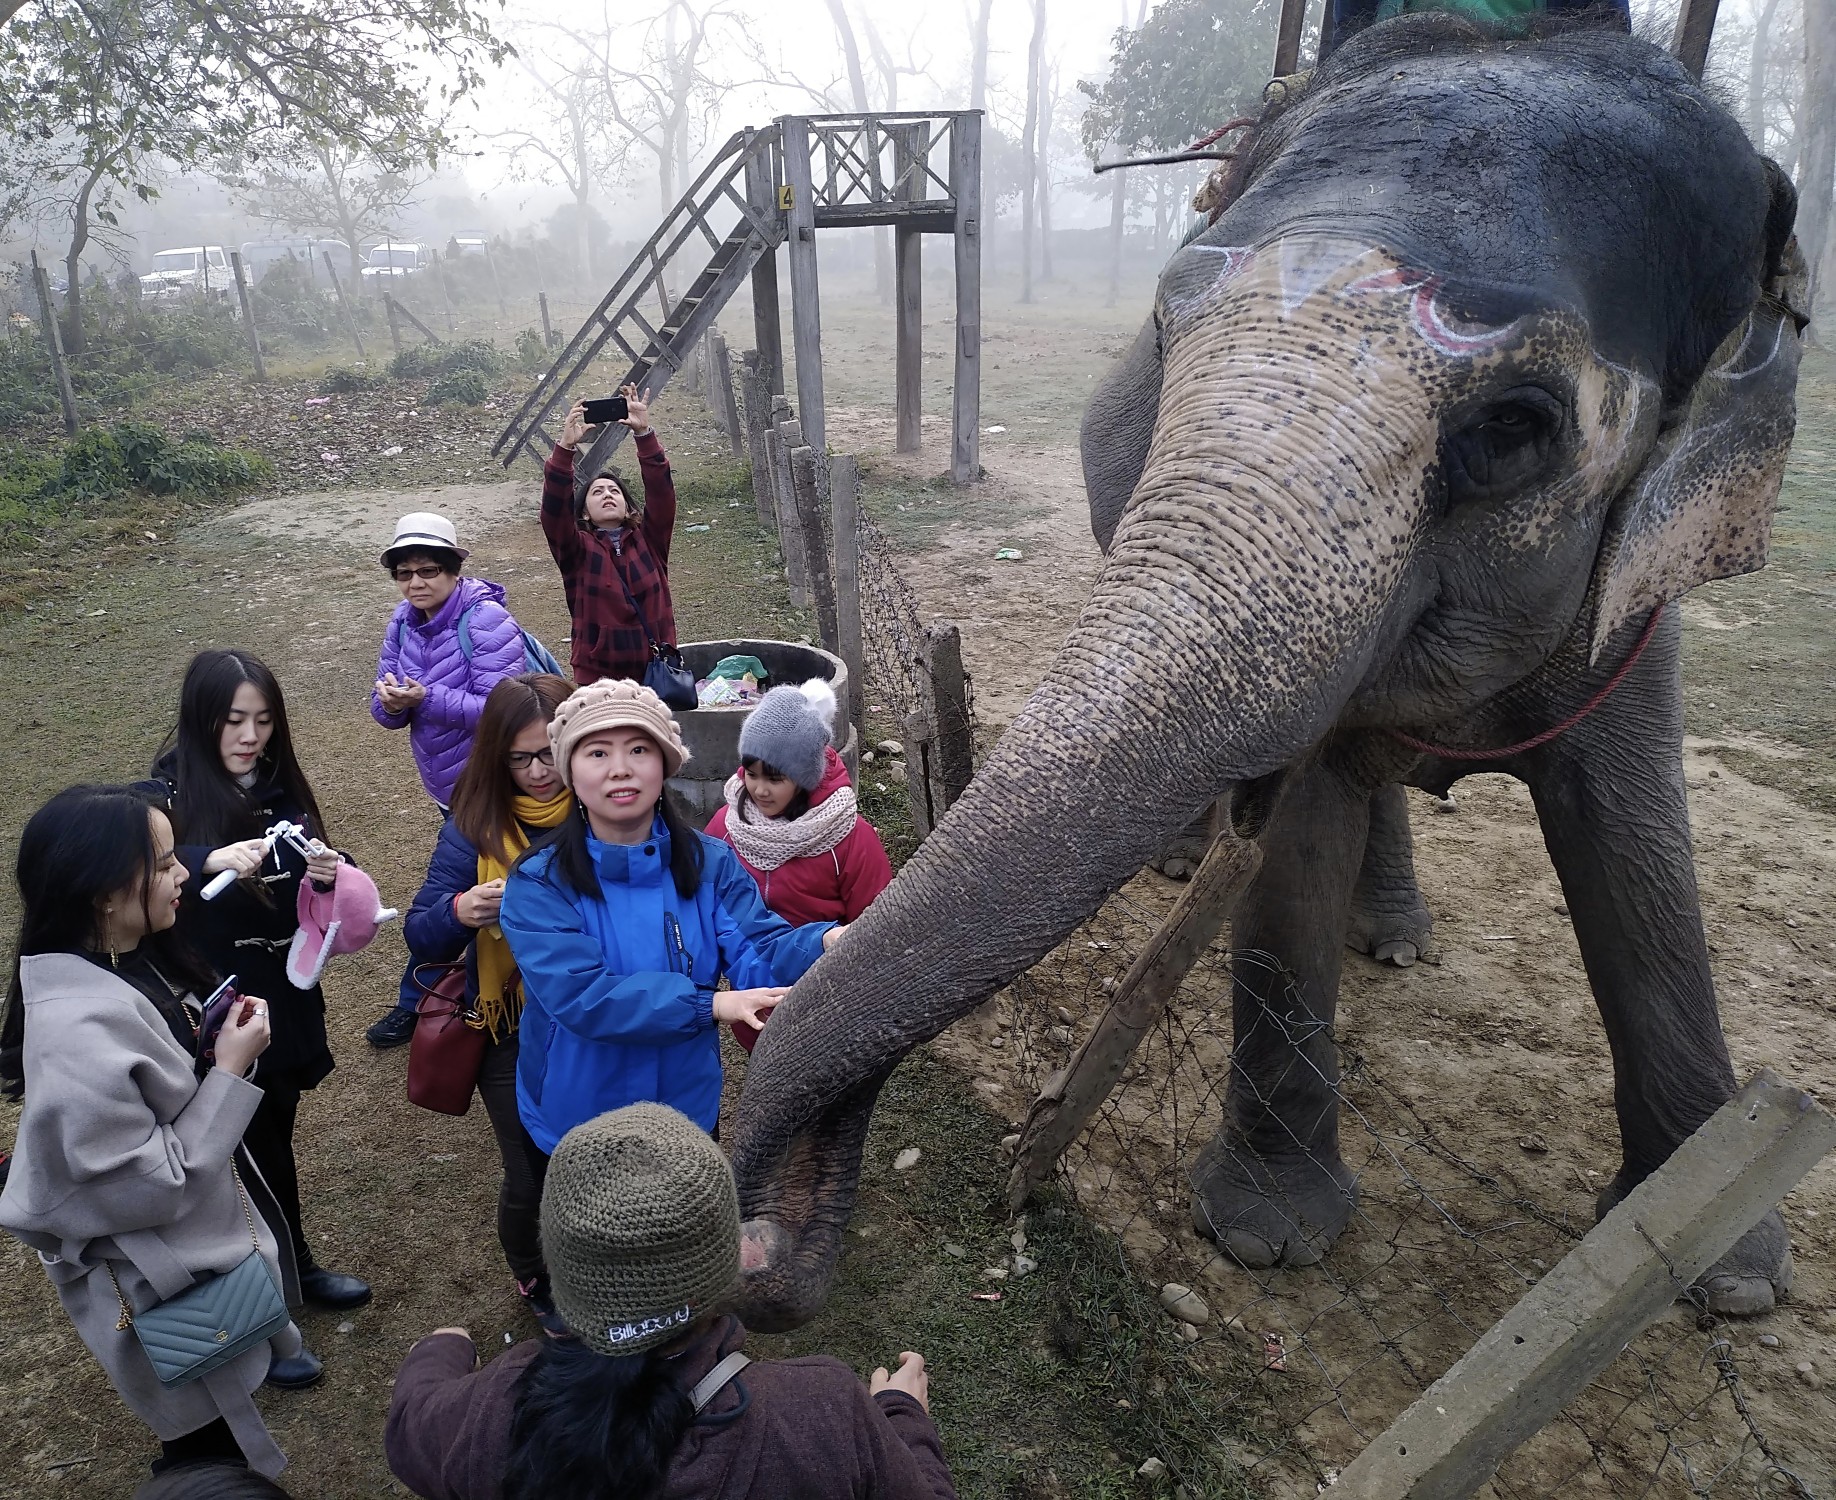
(1438,1245)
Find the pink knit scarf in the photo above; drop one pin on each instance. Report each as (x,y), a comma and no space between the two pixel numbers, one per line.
(766,843)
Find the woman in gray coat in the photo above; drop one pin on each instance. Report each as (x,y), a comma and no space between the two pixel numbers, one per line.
(123,1176)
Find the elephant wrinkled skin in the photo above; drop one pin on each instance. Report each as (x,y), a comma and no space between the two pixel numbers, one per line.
(1490,357)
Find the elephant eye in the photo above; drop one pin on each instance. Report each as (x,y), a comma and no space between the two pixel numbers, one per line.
(1502,446)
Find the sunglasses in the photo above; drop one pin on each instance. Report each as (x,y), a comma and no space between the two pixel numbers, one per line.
(520,760)
(432,570)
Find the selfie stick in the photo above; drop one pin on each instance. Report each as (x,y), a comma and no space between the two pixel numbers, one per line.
(293,833)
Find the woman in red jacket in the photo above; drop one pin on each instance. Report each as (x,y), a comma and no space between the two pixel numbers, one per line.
(792,818)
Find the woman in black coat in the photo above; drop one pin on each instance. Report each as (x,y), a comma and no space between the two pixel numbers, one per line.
(228,772)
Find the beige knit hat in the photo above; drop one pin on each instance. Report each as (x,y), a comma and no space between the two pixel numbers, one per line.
(614,703)
(640,1227)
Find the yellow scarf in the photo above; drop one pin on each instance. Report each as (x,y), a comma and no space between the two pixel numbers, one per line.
(500,987)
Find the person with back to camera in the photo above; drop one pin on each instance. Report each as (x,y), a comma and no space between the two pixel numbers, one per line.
(613,557)
(226,772)
(125,1175)
(651,1395)
(509,797)
(448,643)
(792,819)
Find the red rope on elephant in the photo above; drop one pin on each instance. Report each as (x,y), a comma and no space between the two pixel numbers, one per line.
(1240,123)
(1547,735)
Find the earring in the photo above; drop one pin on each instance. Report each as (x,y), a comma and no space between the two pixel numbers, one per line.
(114,958)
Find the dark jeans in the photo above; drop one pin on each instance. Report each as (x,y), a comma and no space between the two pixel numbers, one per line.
(269,1140)
(519,1195)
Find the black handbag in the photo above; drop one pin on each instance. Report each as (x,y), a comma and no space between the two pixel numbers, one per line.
(664,673)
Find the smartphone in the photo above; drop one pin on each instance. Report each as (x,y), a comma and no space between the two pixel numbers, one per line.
(217,1010)
(607,409)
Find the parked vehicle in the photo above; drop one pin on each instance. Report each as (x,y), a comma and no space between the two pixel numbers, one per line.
(468,242)
(261,256)
(191,271)
(395,259)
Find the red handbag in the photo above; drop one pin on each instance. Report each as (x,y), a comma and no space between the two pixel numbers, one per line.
(447,1049)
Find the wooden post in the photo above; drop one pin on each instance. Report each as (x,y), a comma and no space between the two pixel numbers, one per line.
(767,327)
(966,401)
(758,422)
(721,368)
(446,298)
(809,482)
(1288,35)
(548,333)
(785,436)
(425,332)
(953,757)
(919,737)
(395,328)
(1695,30)
(54,346)
(344,307)
(497,286)
(908,295)
(1071,1097)
(1573,1323)
(845,512)
(806,312)
(248,314)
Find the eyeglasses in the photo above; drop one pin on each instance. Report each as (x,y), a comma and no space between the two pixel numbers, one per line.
(520,759)
(432,570)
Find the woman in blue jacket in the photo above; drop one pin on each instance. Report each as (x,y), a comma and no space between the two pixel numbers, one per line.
(508,797)
(622,925)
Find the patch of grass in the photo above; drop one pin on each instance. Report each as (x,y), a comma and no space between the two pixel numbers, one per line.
(1069,1382)
(459,388)
(422,360)
(340,381)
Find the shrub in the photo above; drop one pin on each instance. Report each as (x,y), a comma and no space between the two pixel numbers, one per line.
(447,359)
(202,337)
(338,381)
(25,378)
(531,353)
(93,467)
(461,388)
(194,464)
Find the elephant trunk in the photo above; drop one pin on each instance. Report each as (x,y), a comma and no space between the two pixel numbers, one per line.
(1231,620)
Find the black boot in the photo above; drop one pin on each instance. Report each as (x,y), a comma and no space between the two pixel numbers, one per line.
(298,1371)
(331,1289)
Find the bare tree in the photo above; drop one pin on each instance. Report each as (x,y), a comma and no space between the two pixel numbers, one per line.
(1817,149)
(1048,100)
(327,187)
(978,54)
(857,85)
(1029,141)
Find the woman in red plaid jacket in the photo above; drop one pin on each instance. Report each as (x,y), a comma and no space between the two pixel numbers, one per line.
(614,557)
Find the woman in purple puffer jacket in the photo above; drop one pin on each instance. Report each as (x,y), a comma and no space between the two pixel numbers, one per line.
(449,642)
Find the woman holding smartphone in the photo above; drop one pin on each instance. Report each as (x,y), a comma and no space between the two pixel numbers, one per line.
(227,773)
(126,1156)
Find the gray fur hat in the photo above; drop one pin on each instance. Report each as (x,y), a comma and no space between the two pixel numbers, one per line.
(790,730)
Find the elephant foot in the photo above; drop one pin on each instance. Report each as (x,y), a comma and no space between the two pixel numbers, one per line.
(1185,851)
(1397,938)
(1752,1278)
(1269,1211)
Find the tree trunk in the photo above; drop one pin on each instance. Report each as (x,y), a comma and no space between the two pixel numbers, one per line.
(1029,190)
(583,190)
(978,57)
(1817,137)
(1048,84)
(857,85)
(1756,75)
(1118,217)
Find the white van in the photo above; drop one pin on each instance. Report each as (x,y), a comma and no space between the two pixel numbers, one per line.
(394,259)
(191,271)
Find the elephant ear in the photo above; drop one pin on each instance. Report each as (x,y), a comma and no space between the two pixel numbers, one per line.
(1701,507)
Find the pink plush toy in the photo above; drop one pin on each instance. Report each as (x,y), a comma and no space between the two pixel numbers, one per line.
(341,920)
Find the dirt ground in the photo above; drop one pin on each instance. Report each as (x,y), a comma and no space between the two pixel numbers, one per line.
(1490,1043)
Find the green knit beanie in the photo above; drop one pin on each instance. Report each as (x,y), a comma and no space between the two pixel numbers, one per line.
(640,1227)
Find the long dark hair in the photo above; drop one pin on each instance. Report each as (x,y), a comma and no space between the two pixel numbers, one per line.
(569,841)
(81,847)
(481,799)
(207,805)
(594,1426)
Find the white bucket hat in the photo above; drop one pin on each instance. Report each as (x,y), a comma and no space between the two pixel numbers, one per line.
(424,530)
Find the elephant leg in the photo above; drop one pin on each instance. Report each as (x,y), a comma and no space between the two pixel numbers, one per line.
(1270,1187)
(1389,919)
(1611,800)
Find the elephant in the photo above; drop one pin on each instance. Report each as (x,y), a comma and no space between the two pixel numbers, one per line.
(1491,357)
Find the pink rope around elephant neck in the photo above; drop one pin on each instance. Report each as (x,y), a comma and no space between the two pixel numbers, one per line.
(1547,735)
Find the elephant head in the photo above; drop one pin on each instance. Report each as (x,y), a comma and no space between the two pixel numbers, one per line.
(1491,348)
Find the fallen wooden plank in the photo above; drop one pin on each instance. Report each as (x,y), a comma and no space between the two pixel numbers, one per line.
(1631,1266)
